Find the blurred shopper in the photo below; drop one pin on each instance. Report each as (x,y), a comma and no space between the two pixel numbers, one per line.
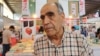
(73,28)
(17,35)
(57,41)
(92,32)
(98,33)
(41,30)
(0,36)
(6,39)
(1,48)
(75,31)
(84,31)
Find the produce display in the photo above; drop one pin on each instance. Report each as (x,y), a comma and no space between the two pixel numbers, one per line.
(22,49)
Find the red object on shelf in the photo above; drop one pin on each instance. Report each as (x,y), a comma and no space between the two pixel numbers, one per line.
(13,41)
(0,54)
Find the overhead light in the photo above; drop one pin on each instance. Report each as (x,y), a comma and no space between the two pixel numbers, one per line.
(34,16)
(70,16)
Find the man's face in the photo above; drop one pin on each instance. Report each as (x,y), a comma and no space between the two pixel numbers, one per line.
(11,29)
(51,19)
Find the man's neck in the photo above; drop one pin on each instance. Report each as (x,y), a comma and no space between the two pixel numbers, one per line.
(56,39)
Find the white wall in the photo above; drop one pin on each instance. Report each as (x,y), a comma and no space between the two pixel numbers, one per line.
(7,12)
(1,20)
(7,21)
(94,20)
(64,4)
(39,4)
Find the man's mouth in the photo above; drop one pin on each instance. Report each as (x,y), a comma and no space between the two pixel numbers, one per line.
(48,29)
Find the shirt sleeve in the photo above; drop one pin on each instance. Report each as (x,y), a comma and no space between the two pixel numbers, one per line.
(35,48)
(87,51)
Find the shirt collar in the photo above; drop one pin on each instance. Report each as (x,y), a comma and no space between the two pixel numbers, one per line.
(63,37)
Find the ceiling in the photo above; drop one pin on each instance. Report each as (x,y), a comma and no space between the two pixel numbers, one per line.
(14,5)
(91,6)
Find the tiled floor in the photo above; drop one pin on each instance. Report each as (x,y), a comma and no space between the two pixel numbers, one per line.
(96,51)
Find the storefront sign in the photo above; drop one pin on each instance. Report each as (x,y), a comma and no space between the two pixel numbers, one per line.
(82,7)
(28,27)
(73,9)
(25,7)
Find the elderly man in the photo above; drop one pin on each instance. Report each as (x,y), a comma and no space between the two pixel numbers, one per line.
(57,41)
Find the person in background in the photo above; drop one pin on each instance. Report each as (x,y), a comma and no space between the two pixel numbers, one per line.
(1,48)
(84,31)
(58,42)
(74,31)
(98,33)
(17,35)
(6,39)
(41,30)
(73,28)
(0,36)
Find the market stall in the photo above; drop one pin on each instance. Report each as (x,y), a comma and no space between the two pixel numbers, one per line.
(25,48)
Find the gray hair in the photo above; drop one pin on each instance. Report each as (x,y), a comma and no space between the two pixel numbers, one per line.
(60,8)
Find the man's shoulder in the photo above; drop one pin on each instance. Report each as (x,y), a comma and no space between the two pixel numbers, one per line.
(73,34)
(6,31)
(40,38)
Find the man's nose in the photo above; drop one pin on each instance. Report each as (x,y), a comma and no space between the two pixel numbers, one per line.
(46,20)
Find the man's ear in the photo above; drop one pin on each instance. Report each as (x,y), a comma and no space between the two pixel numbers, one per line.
(63,16)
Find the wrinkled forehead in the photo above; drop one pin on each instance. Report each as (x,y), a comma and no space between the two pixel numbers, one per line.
(48,8)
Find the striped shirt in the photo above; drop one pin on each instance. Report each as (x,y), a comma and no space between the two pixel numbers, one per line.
(71,45)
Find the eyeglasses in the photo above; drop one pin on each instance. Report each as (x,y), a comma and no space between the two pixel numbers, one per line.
(48,14)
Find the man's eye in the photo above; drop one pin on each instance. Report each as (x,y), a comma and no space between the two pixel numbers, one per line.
(50,14)
(42,17)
